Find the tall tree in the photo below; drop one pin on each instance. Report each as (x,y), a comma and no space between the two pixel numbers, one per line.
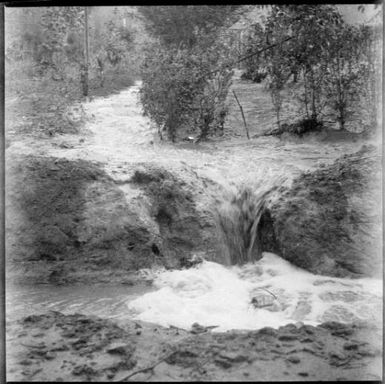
(311,27)
(185,75)
(187,25)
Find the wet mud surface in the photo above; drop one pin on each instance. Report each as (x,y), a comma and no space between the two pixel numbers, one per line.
(58,347)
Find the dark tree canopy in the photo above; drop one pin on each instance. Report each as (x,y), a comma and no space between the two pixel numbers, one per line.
(186,25)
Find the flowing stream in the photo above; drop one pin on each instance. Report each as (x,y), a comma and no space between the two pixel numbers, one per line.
(268,292)
(215,295)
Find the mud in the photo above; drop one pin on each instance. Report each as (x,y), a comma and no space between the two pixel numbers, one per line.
(95,207)
(329,221)
(185,228)
(58,347)
(144,203)
(72,222)
(48,234)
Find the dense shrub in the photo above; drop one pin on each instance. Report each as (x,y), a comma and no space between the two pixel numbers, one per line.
(190,25)
(181,90)
(186,74)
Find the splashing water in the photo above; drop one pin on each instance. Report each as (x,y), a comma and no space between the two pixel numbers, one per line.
(238,217)
(238,221)
(212,294)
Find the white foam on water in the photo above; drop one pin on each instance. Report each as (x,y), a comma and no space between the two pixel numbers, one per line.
(212,294)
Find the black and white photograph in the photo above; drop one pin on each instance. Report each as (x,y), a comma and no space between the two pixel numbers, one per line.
(193,192)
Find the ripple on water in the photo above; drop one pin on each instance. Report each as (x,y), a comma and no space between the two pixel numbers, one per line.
(345,296)
(212,294)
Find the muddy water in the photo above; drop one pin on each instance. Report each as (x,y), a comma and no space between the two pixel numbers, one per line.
(211,294)
(102,300)
(214,295)
(122,135)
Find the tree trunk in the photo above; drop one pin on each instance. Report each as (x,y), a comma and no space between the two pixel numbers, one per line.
(86,55)
(279,118)
(306,99)
(84,79)
(313,106)
(243,115)
(340,98)
(341,119)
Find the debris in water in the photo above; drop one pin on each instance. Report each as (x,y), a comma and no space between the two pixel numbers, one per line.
(193,261)
(262,301)
(197,328)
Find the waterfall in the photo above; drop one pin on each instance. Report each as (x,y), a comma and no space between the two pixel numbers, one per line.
(238,219)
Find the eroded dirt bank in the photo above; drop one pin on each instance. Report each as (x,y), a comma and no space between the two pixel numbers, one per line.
(96,207)
(59,347)
(330,221)
(72,222)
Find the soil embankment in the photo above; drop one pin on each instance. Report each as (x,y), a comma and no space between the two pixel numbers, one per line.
(96,208)
(61,347)
(72,222)
(329,221)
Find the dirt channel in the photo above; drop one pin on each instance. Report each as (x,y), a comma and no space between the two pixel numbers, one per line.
(99,206)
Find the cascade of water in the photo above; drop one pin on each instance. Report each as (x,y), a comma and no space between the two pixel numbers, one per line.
(213,294)
(238,219)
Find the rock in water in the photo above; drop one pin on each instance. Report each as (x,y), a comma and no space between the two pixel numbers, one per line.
(263,300)
(193,261)
(197,328)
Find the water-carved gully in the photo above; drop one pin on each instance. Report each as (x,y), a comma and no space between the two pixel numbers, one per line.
(194,251)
